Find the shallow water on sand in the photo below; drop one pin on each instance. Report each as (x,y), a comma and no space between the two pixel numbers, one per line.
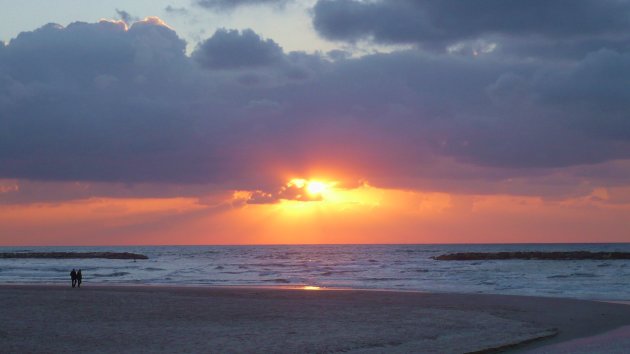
(402,267)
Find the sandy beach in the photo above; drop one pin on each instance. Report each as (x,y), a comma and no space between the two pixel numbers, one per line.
(150,319)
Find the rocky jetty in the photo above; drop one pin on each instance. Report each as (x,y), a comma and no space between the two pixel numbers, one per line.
(73,255)
(552,256)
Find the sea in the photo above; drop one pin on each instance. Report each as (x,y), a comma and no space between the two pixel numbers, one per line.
(376,267)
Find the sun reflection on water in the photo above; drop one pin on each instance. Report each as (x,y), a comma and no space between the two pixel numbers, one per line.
(311,287)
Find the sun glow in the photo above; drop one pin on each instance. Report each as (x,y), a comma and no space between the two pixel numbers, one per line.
(324,197)
(316,187)
(297,182)
(313,188)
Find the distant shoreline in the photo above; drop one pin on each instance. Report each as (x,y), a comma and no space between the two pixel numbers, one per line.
(534,255)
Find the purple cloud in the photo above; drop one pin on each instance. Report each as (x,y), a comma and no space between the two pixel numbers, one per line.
(232,4)
(537,27)
(103,103)
(231,49)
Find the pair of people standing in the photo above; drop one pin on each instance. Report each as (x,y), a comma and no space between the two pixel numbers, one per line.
(76,278)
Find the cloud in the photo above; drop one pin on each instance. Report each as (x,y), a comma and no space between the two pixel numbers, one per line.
(232,49)
(9,186)
(295,190)
(103,102)
(232,4)
(562,27)
(176,10)
(126,17)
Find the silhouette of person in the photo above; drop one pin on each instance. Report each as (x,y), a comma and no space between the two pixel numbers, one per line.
(79,278)
(73,277)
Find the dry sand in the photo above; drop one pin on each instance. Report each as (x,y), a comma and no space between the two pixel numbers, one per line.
(108,319)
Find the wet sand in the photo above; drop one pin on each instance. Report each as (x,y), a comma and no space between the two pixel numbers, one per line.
(616,341)
(150,319)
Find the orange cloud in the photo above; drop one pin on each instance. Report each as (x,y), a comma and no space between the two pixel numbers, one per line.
(90,221)
(364,214)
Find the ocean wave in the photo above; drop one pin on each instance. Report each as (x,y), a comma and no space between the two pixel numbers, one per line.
(278,280)
(273,256)
(233,272)
(37,270)
(487,282)
(380,279)
(587,275)
(573,275)
(266,274)
(279,265)
(152,269)
(115,274)
(418,251)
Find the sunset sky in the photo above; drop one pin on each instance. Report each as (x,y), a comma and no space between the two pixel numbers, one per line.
(314,121)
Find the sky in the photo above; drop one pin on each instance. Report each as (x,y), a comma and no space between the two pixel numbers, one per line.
(314,121)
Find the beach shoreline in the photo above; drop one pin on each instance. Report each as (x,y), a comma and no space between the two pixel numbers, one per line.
(294,287)
(398,268)
(150,318)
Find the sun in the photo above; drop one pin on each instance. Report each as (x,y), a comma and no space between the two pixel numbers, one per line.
(319,196)
(307,195)
(316,187)
(311,188)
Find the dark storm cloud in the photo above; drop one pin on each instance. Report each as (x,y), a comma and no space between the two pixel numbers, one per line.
(232,4)
(232,49)
(573,24)
(90,94)
(100,102)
